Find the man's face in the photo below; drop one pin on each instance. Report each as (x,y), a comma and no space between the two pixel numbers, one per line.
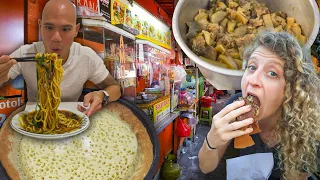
(58,29)
(264,78)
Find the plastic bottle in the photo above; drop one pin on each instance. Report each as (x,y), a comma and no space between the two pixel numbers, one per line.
(193,80)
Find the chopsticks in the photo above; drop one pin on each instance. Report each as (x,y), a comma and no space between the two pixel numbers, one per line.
(25,59)
(30,58)
(7,97)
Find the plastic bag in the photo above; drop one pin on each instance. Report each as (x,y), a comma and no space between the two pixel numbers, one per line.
(183,130)
(18,83)
(179,73)
(193,121)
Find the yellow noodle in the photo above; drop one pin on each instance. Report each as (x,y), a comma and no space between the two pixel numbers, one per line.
(46,119)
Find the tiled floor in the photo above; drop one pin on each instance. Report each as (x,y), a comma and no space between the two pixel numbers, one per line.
(188,159)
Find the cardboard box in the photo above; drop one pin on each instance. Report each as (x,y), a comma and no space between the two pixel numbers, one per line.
(11,98)
(157,109)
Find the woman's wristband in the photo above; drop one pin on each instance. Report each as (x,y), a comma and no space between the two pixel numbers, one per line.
(208,143)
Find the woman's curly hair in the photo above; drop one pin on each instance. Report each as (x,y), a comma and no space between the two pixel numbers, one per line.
(298,130)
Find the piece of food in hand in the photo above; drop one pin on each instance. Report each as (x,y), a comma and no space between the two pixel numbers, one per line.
(246,140)
(254,102)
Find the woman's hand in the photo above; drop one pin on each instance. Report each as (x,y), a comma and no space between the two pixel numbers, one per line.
(224,128)
(5,65)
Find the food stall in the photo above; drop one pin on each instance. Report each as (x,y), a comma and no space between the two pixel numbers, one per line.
(154,87)
(138,55)
(146,80)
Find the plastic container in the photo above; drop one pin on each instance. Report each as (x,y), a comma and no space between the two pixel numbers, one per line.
(206,101)
(193,80)
(186,98)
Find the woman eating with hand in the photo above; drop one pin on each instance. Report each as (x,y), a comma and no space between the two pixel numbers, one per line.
(281,77)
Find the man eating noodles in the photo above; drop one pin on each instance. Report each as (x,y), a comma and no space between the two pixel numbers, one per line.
(58,29)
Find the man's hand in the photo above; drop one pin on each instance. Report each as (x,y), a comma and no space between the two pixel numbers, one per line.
(5,65)
(94,99)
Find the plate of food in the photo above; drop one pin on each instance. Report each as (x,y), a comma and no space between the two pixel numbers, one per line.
(120,143)
(30,123)
(46,120)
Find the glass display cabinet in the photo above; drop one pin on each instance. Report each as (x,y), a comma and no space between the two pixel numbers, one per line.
(117,49)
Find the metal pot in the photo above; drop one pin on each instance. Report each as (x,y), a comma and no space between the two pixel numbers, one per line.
(305,12)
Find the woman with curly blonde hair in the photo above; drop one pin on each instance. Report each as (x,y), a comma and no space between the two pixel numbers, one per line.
(282,78)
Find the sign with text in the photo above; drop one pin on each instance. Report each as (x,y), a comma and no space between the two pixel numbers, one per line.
(11,97)
(151,28)
(105,9)
(140,22)
(161,109)
(118,12)
(87,7)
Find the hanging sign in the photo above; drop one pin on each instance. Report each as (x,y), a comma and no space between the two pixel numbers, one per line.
(105,9)
(87,7)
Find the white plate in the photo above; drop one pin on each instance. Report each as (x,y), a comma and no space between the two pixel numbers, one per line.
(17,127)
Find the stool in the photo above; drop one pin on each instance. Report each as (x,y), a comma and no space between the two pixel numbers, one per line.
(214,96)
(209,118)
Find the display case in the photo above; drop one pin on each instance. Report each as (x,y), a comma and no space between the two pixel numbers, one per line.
(117,48)
(152,64)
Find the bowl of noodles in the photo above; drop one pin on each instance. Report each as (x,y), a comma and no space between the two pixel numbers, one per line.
(45,120)
(214,33)
(71,122)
